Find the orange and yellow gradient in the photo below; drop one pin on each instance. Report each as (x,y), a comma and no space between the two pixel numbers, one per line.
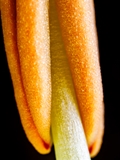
(53,57)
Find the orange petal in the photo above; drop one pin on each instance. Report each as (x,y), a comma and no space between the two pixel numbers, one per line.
(79,35)
(67,130)
(8,13)
(34,54)
(95,147)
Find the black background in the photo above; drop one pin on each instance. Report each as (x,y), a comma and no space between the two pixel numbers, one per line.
(14,142)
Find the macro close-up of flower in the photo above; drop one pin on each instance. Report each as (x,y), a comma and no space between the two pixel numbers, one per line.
(57,80)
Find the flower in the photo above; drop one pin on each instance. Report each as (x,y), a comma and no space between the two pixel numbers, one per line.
(52,53)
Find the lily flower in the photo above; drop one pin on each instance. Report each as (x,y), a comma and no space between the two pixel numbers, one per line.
(52,54)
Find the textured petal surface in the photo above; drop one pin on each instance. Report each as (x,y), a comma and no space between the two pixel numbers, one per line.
(34,53)
(27,43)
(67,130)
(79,35)
(8,14)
